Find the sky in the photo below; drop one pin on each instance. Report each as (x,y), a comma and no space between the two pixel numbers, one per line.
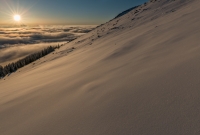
(68,12)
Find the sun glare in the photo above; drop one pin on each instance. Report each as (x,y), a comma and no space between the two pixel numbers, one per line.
(17,18)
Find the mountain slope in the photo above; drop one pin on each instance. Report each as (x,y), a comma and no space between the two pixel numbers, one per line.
(137,74)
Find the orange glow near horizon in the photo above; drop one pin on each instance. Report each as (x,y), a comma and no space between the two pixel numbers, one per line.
(13,13)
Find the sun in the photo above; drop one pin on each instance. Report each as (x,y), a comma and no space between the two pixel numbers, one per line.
(17,18)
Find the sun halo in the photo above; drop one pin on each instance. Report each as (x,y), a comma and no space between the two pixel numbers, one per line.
(17,17)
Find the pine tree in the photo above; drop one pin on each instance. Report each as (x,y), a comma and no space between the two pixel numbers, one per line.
(1,72)
(10,68)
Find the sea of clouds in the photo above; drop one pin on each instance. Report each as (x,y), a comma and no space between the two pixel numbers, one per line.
(16,42)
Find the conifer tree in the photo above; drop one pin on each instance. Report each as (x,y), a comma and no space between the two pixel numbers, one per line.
(12,67)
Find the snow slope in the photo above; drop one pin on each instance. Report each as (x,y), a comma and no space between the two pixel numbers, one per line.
(135,75)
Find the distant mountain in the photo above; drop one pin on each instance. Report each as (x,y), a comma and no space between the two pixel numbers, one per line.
(125,12)
(119,15)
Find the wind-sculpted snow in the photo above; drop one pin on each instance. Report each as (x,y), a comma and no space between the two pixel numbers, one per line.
(135,75)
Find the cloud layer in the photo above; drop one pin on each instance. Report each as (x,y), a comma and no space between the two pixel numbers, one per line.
(21,41)
(40,34)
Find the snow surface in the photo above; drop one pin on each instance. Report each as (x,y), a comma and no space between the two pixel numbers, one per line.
(135,75)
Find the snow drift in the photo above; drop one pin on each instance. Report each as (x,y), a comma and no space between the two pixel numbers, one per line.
(135,75)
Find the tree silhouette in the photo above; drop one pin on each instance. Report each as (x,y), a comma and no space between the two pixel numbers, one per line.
(14,66)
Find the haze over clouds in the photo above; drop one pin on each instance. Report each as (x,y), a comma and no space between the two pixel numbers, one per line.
(16,42)
(40,34)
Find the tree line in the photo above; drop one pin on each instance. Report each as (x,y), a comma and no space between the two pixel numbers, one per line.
(14,66)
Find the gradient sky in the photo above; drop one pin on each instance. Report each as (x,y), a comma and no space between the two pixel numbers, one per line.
(72,12)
